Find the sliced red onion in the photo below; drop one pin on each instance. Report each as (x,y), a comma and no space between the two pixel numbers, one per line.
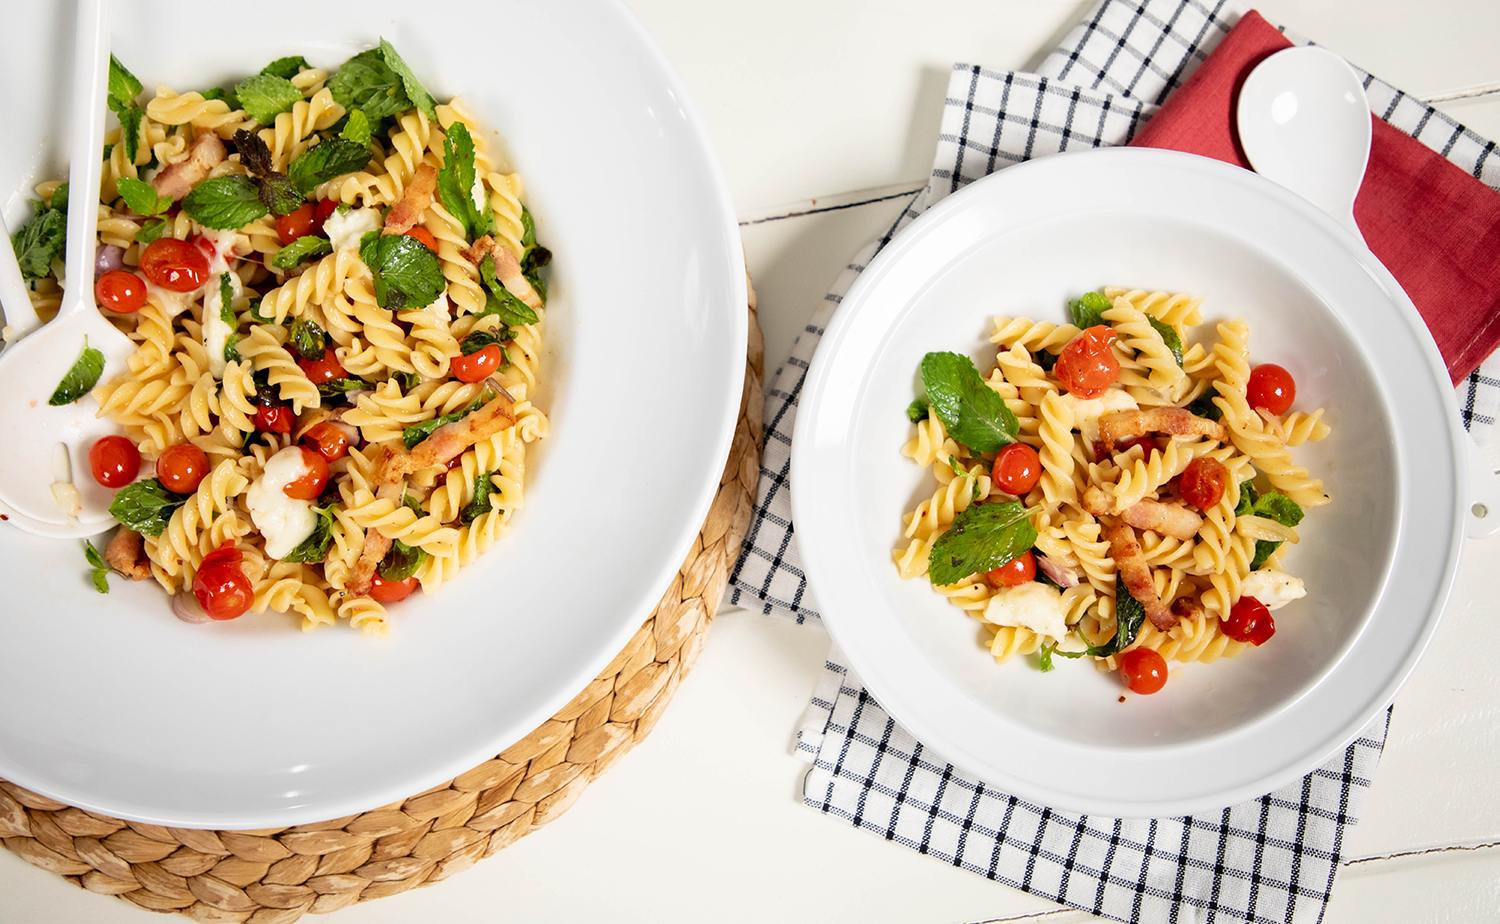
(494,383)
(107,257)
(1065,577)
(185,607)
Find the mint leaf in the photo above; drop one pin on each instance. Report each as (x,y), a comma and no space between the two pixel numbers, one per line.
(83,376)
(974,413)
(412,504)
(123,87)
(480,505)
(1278,507)
(402,561)
(367,83)
(308,339)
(101,568)
(255,154)
(279,194)
(141,198)
(356,128)
(145,506)
(1088,311)
(226,295)
(511,310)
(402,264)
(916,412)
(416,433)
(341,386)
(1168,336)
(1129,615)
(286,68)
(40,242)
(1203,406)
(455,182)
(232,349)
(264,96)
(130,129)
(331,158)
(315,547)
(477,341)
(151,230)
(122,90)
(414,90)
(300,251)
(225,203)
(408,380)
(528,229)
(230,100)
(982,537)
(1248,495)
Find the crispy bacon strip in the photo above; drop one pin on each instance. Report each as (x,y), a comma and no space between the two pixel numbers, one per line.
(414,201)
(206,152)
(1187,608)
(126,553)
(507,269)
(1174,421)
(446,442)
(1174,520)
(1133,572)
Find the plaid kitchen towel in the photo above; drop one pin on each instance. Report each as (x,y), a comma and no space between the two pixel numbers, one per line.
(1272,859)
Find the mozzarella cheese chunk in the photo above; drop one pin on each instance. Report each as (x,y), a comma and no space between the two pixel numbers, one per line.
(1273,588)
(477,193)
(1087,411)
(283,521)
(1033,605)
(345,230)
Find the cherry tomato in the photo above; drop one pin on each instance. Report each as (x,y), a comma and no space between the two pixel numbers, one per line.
(181,468)
(476,367)
(391,591)
(311,484)
(1249,621)
(423,235)
(273,417)
(222,588)
(114,461)
(328,440)
(1203,482)
(1017,469)
(1018,570)
(175,265)
(227,553)
(120,292)
(299,223)
(1271,387)
(1087,366)
(323,370)
(1143,670)
(325,209)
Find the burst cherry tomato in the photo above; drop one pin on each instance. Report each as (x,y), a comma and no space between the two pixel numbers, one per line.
(120,292)
(299,223)
(274,417)
(114,461)
(1143,670)
(1203,482)
(325,209)
(181,468)
(323,370)
(423,235)
(328,440)
(391,591)
(1087,365)
(221,586)
(1249,621)
(477,366)
(311,484)
(1272,388)
(175,265)
(1018,570)
(1017,469)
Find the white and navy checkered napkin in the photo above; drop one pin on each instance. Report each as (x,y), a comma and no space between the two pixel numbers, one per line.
(1272,859)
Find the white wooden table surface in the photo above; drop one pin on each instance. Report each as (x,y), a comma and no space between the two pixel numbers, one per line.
(824,114)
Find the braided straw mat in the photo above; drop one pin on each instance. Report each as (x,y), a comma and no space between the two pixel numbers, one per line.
(276,875)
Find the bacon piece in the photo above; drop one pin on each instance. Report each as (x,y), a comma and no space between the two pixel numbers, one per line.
(126,553)
(1173,520)
(1187,608)
(377,544)
(446,442)
(207,152)
(1135,574)
(1175,421)
(414,201)
(507,269)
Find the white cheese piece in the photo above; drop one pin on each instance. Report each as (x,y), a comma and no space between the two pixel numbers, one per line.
(69,501)
(222,246)
(1034,605)
(283,521)
(1273,588)
(345,230)
(1087,411)
(481,201)
(216,330)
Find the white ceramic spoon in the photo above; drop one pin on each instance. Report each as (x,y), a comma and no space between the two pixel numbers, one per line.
(41,445)
(1304,122)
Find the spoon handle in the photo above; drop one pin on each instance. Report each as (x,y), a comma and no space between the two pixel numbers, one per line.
(85,152)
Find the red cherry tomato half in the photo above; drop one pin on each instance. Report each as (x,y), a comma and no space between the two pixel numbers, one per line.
(298,223)
(120,292)
(1271,387)
(175,265)
(391,591)
(1087,365)
(323,370)
(477,366)
(222,589)
(115,461)
(274,418)
(326,208)
(311,484)
(423,235)
(328,440)
(1143,670)
(1018,570)
(1203,483)
(1249,621)
(1017,469)
(182,467)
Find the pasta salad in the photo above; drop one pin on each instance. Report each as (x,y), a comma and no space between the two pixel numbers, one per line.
(338,303)
(1108,491)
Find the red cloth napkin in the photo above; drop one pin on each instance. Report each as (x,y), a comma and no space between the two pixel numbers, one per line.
(1435,227)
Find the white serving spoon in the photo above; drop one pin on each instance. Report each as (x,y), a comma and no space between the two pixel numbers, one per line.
(20,316)
(42,445)
(1304,122)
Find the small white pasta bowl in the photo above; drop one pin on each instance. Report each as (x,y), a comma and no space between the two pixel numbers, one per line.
(1377,561)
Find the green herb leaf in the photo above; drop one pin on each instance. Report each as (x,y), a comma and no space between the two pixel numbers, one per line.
(308,339)
(123,87)
(477,341)
(974,413)
(286,68)
(400,263)
(958,470)
(231,349)
(1044,359)
(916,412)
(1129,615)
(254,153)
(219,93)
(412,504)
(151,230)
(130,130)
(1248,495)
(511,310)
(315,547)
(279,194)
(1203,406)
(356,128)
(225,203)
(408,380)
(414,90)
(255,312)
(455,183)
(101,568)
(226,299)
(141,198)
(480,505)
(40,243)
(325,161)
(402,561)
(145,506)
(341,386)
(416,433)
(1276,506)
(1088,311)
(367,83)
(1168,336)
(300,251)
(264,96)
(83,376)
(982,537)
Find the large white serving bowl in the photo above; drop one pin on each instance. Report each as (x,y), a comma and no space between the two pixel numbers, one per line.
(111,704)
(1377,561)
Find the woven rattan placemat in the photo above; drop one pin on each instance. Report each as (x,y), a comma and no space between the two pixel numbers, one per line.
(274,876)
